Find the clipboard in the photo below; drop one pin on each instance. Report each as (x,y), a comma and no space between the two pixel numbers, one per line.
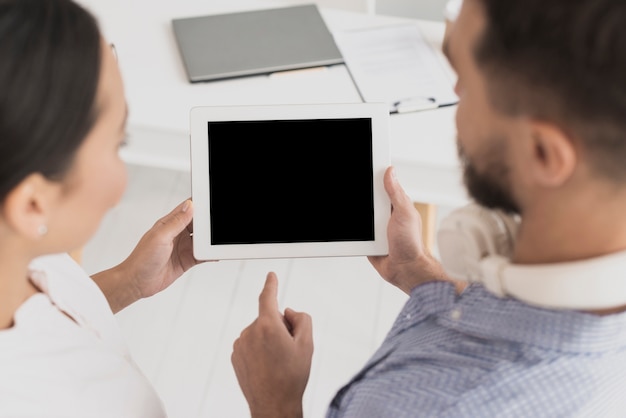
(394,64)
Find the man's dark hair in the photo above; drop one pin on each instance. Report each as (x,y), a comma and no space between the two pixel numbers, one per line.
(49,72)
(562,61)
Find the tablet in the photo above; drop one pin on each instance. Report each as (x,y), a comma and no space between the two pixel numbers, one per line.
(284,181)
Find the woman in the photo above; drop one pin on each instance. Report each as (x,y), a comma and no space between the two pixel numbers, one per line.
(62,120)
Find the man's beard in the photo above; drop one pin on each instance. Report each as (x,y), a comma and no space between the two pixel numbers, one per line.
(491,187)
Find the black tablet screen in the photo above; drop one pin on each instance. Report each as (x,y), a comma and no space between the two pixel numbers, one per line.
(291,181)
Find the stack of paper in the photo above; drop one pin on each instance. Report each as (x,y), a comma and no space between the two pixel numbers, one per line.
(395,65)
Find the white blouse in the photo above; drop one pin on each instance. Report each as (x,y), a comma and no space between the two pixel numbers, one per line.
(65,355)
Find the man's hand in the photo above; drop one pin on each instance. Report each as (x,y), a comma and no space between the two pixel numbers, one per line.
(272,358)
(409,263)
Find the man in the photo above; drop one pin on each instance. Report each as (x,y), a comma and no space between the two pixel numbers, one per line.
(542,132)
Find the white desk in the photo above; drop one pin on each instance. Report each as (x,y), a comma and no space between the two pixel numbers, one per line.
(422,144)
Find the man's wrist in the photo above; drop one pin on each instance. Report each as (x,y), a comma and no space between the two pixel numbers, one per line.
(281,414)
(425,270)
(284,410)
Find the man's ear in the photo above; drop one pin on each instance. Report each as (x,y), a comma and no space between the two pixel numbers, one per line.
(552,153)
(26,209)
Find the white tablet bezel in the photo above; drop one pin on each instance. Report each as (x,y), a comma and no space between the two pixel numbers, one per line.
(200,116)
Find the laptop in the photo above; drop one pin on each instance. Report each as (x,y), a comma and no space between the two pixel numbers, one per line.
(254,42)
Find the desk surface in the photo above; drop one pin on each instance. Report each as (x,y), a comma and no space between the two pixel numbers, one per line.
(423,145)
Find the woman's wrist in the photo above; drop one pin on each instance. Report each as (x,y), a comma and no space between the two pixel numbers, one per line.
(117,286)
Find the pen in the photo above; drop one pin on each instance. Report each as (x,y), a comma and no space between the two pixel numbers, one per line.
(414,104)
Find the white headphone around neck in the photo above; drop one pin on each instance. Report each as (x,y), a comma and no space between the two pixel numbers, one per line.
(475,245)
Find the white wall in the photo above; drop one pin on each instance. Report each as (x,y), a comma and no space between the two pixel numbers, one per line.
(422,9)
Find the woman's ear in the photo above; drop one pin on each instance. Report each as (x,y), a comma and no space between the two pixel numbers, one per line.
(553,155)
(26,209)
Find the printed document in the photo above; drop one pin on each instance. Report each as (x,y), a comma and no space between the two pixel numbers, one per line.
(394,64)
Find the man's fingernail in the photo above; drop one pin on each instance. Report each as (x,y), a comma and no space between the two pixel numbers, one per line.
(186,205)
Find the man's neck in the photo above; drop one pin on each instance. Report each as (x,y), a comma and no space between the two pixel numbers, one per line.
(587,225)
(591,225)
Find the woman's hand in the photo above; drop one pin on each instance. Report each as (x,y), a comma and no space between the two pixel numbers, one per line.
(162,255)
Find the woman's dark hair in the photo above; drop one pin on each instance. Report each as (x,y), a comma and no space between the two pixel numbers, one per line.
(49,72)
(562,61)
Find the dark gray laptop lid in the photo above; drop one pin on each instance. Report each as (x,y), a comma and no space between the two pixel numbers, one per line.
(254,42)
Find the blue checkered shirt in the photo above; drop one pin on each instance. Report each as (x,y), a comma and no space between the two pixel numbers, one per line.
(477,355)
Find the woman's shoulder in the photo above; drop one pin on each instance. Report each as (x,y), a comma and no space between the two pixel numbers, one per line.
(75,294)
(58,363)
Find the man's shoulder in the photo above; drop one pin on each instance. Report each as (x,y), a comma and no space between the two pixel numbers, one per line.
(480,355)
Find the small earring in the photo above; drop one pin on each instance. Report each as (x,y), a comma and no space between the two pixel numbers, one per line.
(42,230)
